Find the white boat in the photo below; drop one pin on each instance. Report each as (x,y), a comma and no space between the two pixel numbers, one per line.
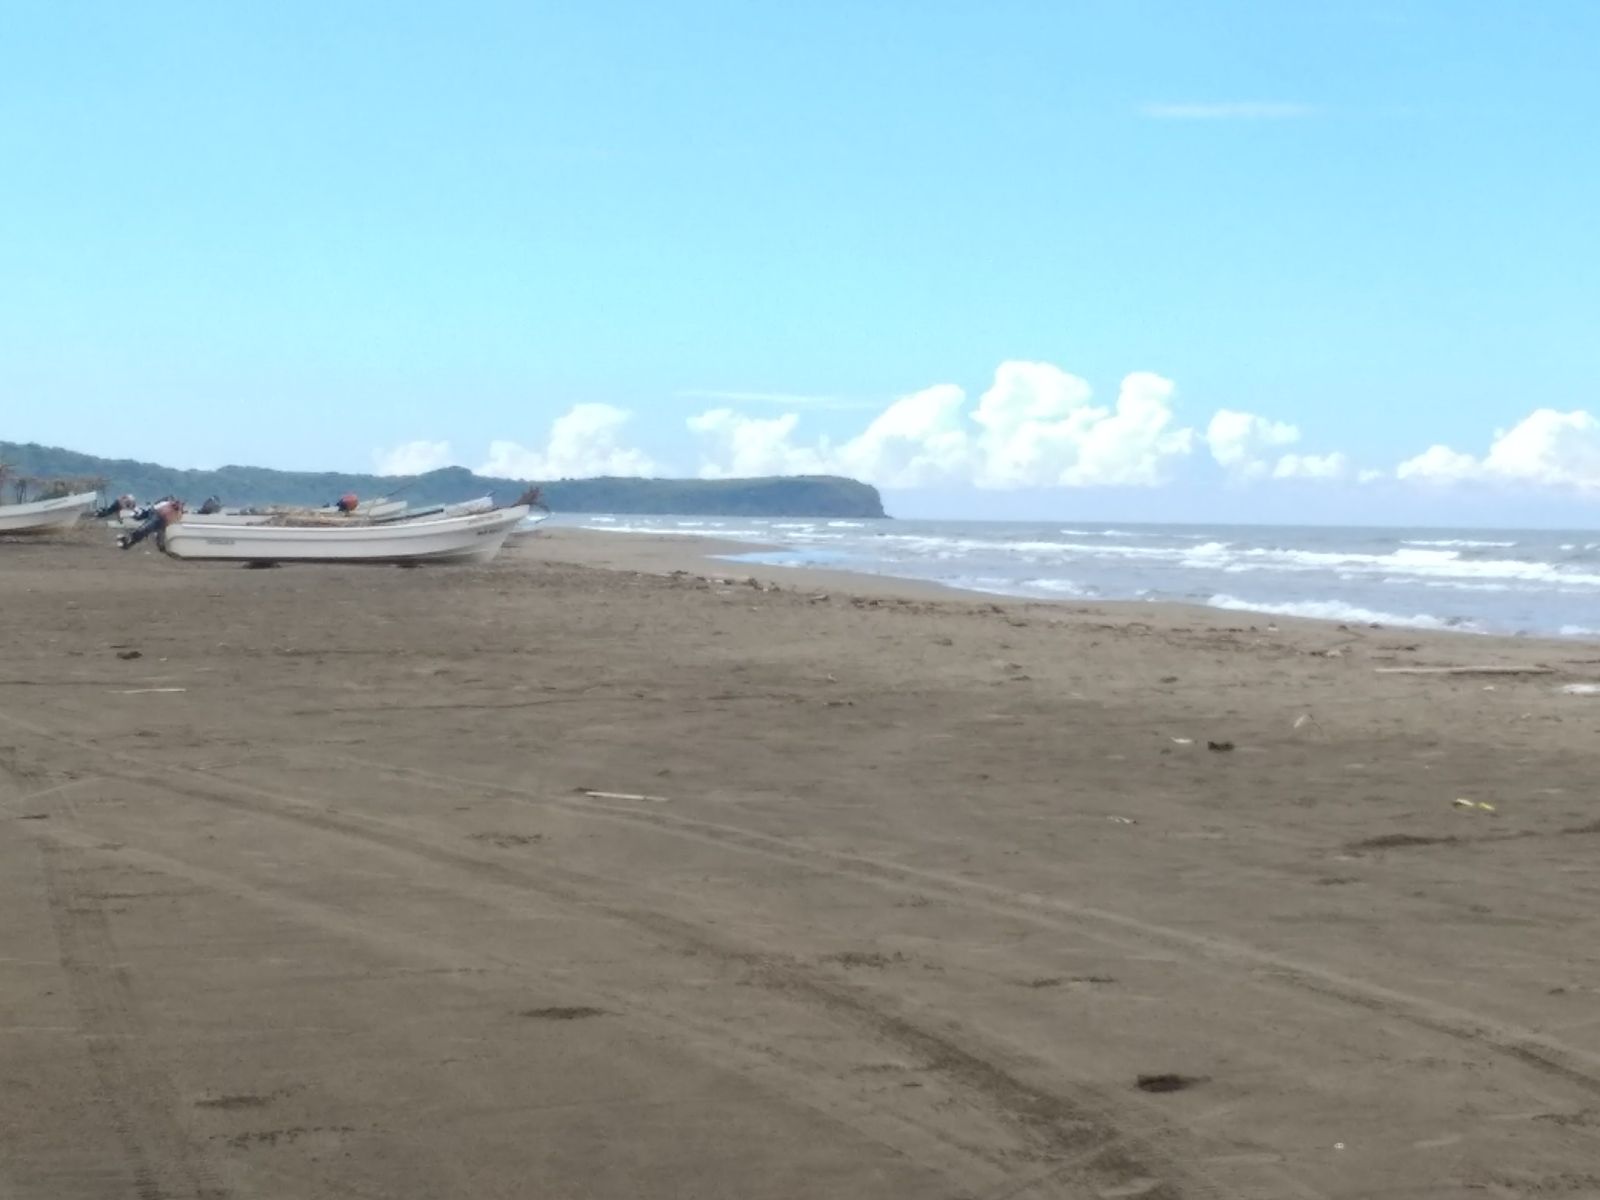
(475,538)
(46,516)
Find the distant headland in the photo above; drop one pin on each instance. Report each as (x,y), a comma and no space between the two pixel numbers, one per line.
(779,496)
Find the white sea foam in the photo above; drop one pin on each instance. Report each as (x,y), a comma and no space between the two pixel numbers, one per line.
(1579,631)
(1463,543)
(1337,610)
(846,525)
(1057,587)
(734,535)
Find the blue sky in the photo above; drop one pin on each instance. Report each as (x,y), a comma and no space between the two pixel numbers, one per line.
(329,235)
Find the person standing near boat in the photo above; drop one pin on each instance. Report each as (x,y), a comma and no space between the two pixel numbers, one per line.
(162,514)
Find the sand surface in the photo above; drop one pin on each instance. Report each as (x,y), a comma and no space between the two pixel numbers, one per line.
(898,894)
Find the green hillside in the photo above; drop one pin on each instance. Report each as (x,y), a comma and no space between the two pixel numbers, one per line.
(797,496)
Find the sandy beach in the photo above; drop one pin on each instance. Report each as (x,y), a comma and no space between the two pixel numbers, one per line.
(611,871)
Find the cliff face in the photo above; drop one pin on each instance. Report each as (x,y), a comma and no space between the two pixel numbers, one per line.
(785,496)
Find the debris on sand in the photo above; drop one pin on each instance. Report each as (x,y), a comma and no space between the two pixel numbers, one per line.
(1167,1082)
(864,958)
(128,655)
(577,1012)
(1397,841)
(231,1103)
(1219,747)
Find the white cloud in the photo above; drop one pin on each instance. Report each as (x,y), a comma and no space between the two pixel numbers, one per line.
(745,446)
(1034,427)
(1546,448)
(1439,464)
(1241,442)
(1549,447)
(1228,110)
(1312,466)
(1133,444)
(412,458)
(1368,475)
(918,441)
(584,442)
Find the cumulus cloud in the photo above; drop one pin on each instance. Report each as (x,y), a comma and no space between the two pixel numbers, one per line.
(1242,442)
(744,446)
(918,441)
(1312,466)
(584,442)
(1546,448)
(412,458)
(1439,464)
(1036,426)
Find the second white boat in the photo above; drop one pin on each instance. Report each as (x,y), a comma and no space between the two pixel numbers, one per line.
(475,538)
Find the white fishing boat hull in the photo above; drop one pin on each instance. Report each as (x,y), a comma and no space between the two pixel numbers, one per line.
(45,516)
(470,539)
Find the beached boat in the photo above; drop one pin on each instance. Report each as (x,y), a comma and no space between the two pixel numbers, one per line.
(467,539)
(46,516)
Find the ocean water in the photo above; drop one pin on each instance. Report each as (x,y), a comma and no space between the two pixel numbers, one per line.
(1484,581)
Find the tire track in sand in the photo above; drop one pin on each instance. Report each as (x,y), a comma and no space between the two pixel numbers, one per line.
(142,1103)
(1575,1066)
(1094,1142)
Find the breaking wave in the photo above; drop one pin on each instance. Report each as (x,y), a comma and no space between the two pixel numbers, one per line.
(1337,610)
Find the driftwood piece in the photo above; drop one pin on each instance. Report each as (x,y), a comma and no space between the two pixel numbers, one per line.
(594,795)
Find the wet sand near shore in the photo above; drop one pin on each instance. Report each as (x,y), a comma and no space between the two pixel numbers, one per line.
(569,876)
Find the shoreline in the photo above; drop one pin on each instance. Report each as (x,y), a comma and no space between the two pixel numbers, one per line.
(669,553)
(1398,578)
